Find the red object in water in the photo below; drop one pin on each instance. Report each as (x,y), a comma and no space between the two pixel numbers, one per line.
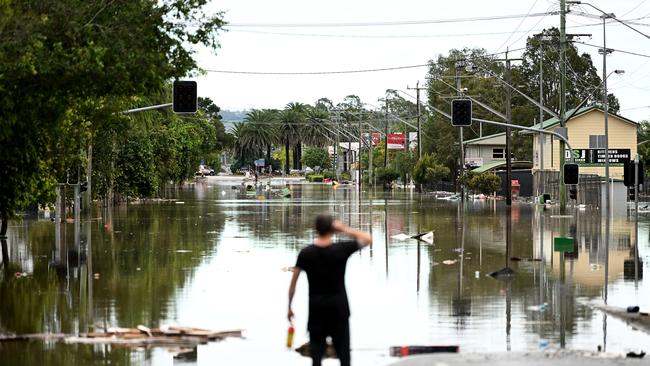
(403,351)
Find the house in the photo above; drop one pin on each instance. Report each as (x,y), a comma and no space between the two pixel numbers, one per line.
(586,134)
(485,150)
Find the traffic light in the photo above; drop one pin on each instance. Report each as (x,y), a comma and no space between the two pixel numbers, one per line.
(628,173)
(461,112)
(570,174)
(83,187)
(184,97)
(573,193)
(631,193)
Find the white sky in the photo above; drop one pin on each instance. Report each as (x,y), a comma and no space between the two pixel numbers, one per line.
(243,50)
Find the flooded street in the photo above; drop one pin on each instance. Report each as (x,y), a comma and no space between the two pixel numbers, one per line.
(217,259)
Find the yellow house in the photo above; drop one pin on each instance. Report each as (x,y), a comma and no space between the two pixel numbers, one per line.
(586,132)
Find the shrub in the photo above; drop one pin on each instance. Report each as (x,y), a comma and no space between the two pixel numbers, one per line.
(315,178)
(428,171)
(485,183)
(345,176)
(316,157)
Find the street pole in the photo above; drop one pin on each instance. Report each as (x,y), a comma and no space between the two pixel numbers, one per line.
(606,112)
(636,218)
(386,141)
(508,132)
(542,138)
(359,168)
(462,148)
(562,98)
(417,88)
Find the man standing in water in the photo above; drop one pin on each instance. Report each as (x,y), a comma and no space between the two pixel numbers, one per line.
(324,262)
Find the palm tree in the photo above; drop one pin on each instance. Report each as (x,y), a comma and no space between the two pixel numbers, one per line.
(259,131)
(238,133)
(291,120)
(316,132)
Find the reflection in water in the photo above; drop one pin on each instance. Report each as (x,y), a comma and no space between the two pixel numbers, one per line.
(215,261)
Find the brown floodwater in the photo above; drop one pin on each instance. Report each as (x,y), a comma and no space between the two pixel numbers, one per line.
(216,258)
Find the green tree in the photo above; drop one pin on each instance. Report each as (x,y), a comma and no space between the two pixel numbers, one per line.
(428,171)
(315,131)
(403,162)
(314,157)
(58,54)
(260,131)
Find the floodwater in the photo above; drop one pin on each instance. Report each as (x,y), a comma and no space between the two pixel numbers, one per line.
(217,259)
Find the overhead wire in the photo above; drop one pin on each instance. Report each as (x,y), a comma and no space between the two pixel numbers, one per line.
(386,23)
(518,25)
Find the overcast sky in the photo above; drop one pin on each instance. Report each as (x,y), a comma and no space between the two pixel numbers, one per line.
(265,48)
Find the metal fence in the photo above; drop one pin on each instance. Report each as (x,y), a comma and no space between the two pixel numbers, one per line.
(589,186)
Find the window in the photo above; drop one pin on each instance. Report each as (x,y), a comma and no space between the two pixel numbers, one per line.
(596,141)
(497,153)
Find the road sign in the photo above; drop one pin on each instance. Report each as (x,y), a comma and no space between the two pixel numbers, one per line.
(563,244)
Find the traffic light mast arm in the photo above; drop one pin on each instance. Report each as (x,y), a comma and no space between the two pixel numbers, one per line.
(531,129)
(514,126)
(159,106)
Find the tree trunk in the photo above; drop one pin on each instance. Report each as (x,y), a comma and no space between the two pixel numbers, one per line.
(3,242)
(295,156)
(286,156)
(299,156)
(268,154)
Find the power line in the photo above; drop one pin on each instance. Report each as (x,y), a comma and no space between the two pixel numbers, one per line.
(375,36)
(614,49)
(388,23)
(315,72)
(519,25)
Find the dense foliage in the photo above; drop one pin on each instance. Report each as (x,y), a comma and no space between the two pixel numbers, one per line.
(68,67)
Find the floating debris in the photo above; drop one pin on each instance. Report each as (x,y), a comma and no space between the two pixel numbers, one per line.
(506,272)
(141,336)
(403,351)
(539,308)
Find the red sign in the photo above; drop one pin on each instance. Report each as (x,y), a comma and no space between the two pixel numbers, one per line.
(376,136)
(396,141)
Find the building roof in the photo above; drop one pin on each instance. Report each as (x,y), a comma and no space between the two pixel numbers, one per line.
(551,122)
(494,165)
(496,139)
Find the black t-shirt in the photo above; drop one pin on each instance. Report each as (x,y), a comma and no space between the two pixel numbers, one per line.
(325,268)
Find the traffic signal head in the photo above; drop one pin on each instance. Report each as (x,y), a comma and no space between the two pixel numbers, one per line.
(570,173)
(184,96)
(631,193)
(83,187)
(573,193)
(461,112)
(628,173)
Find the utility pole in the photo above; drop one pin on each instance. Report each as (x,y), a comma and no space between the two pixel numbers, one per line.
(459,64)
(386,141)
(359,168)
(508,130)
(541,137)
(562,99)
(419,112)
